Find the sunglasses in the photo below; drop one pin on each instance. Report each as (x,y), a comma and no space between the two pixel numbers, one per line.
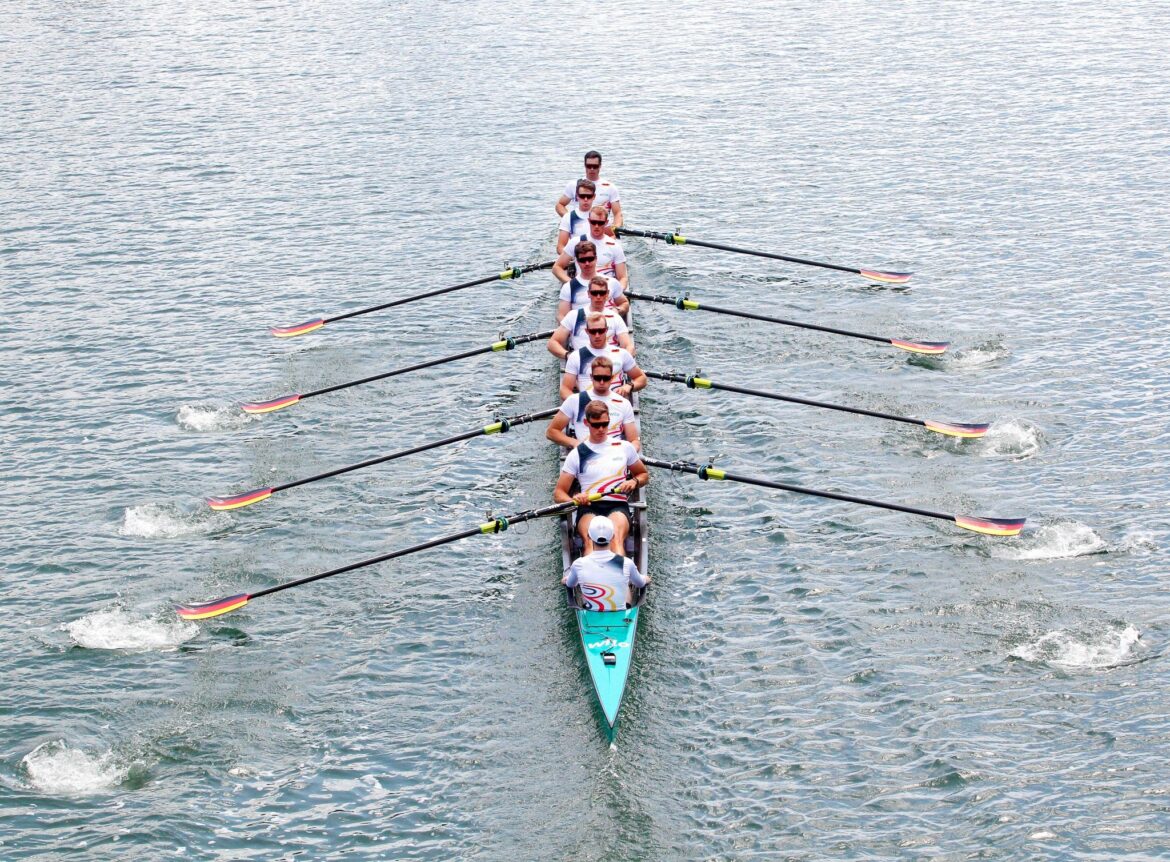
(602,376)
(599,222)
(595,167)
(585,196)
(599,293)
(596,331)
(598,423)
(586,259)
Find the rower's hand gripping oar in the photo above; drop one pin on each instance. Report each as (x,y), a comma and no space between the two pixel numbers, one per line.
(951,429)
(683,303)
(501,426)
(208,610)
(678,239)
(312,325)
(257,407)
(987,526)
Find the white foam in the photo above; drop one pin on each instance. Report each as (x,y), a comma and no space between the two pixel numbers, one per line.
(115,628)
(1011,439)
(56,768)
(204,417)
(976,357)
(1139,540)
(155,521)
(1086,651)
(1053,542)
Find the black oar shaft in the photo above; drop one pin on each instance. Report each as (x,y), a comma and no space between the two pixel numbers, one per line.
(495,526)
(514,272)
(695,382)
(678,239)
(499,427)
(502,344)
(709,472)
(685,304)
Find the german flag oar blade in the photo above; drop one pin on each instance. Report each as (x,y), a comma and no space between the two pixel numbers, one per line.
(258,407)
(885,277)
(212,609)
(223,504)
(966,430)
(991,526)
(930,348)
(299,329)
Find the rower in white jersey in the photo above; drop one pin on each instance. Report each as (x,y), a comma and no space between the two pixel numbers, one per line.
(606,192)
(572,413)
(609,468)
(575,221)
(575,292)
(571,333)
(604,578)
(577,366)
(611,258)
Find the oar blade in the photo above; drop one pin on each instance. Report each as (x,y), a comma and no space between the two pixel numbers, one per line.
(299,329)
(885,277)
(991,526)
(239,501)
(258,407)
(929,348)
(965,430)
(212,609)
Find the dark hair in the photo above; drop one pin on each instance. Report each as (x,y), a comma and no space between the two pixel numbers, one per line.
(593,154)
(596,408)
(584,245)
(586,184)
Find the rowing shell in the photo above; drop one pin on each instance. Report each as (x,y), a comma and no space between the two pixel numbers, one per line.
(608,637)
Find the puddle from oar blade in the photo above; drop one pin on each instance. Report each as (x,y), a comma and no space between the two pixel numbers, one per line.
(1053,542)
(210,417)
(1093,649)
(118,629)
(1010,439)
(169,521)
(55,768)
(975,356)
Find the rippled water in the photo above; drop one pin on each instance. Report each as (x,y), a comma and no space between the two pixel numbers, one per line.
(814,680)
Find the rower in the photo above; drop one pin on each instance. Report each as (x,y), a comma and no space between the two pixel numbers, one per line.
(570,335)
(575,221)
(572,412)
(606,192)
(575,292)
(604,577)
(611,258)
(579,363)
(611,468)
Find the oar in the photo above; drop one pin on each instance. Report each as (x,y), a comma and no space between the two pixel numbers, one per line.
(496,525)
(951,429)
(310,325)
(988,526)
(496,346)
(930,348)
(677,239)
(502,426)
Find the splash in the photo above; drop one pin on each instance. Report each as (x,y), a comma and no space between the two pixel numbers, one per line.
(1011,439)
(1054,542)
(1081,651)
(203,417)
(156,521)
(115,628)
(54,767)
(978,356)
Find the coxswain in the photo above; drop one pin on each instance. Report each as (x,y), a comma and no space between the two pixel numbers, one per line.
(575,221)
(609,468)
(580,361)
(570,334)
(604,577)
(622,425)
(611,258)
(606,192)
(575,292)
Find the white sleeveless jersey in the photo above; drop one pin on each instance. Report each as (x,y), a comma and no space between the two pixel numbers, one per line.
(574,322)
(580,362)
(609,252)
(605,580)
(607,194)
(574,222)
(576,292)
(621,412)
(601,467)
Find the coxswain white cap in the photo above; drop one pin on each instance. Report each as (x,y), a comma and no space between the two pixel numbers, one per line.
(601,530)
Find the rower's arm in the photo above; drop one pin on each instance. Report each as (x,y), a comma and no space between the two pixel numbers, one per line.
(622,304)
(621,272)
(564,483)
(629,431)
(569,383)
(563,205)
(627,341)
(616,209)
(638,380)
(559,268)
(563,308)
(556,431)
(562,241)
(558,343)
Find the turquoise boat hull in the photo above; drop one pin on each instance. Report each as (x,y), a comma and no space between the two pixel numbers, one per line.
(607,640)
